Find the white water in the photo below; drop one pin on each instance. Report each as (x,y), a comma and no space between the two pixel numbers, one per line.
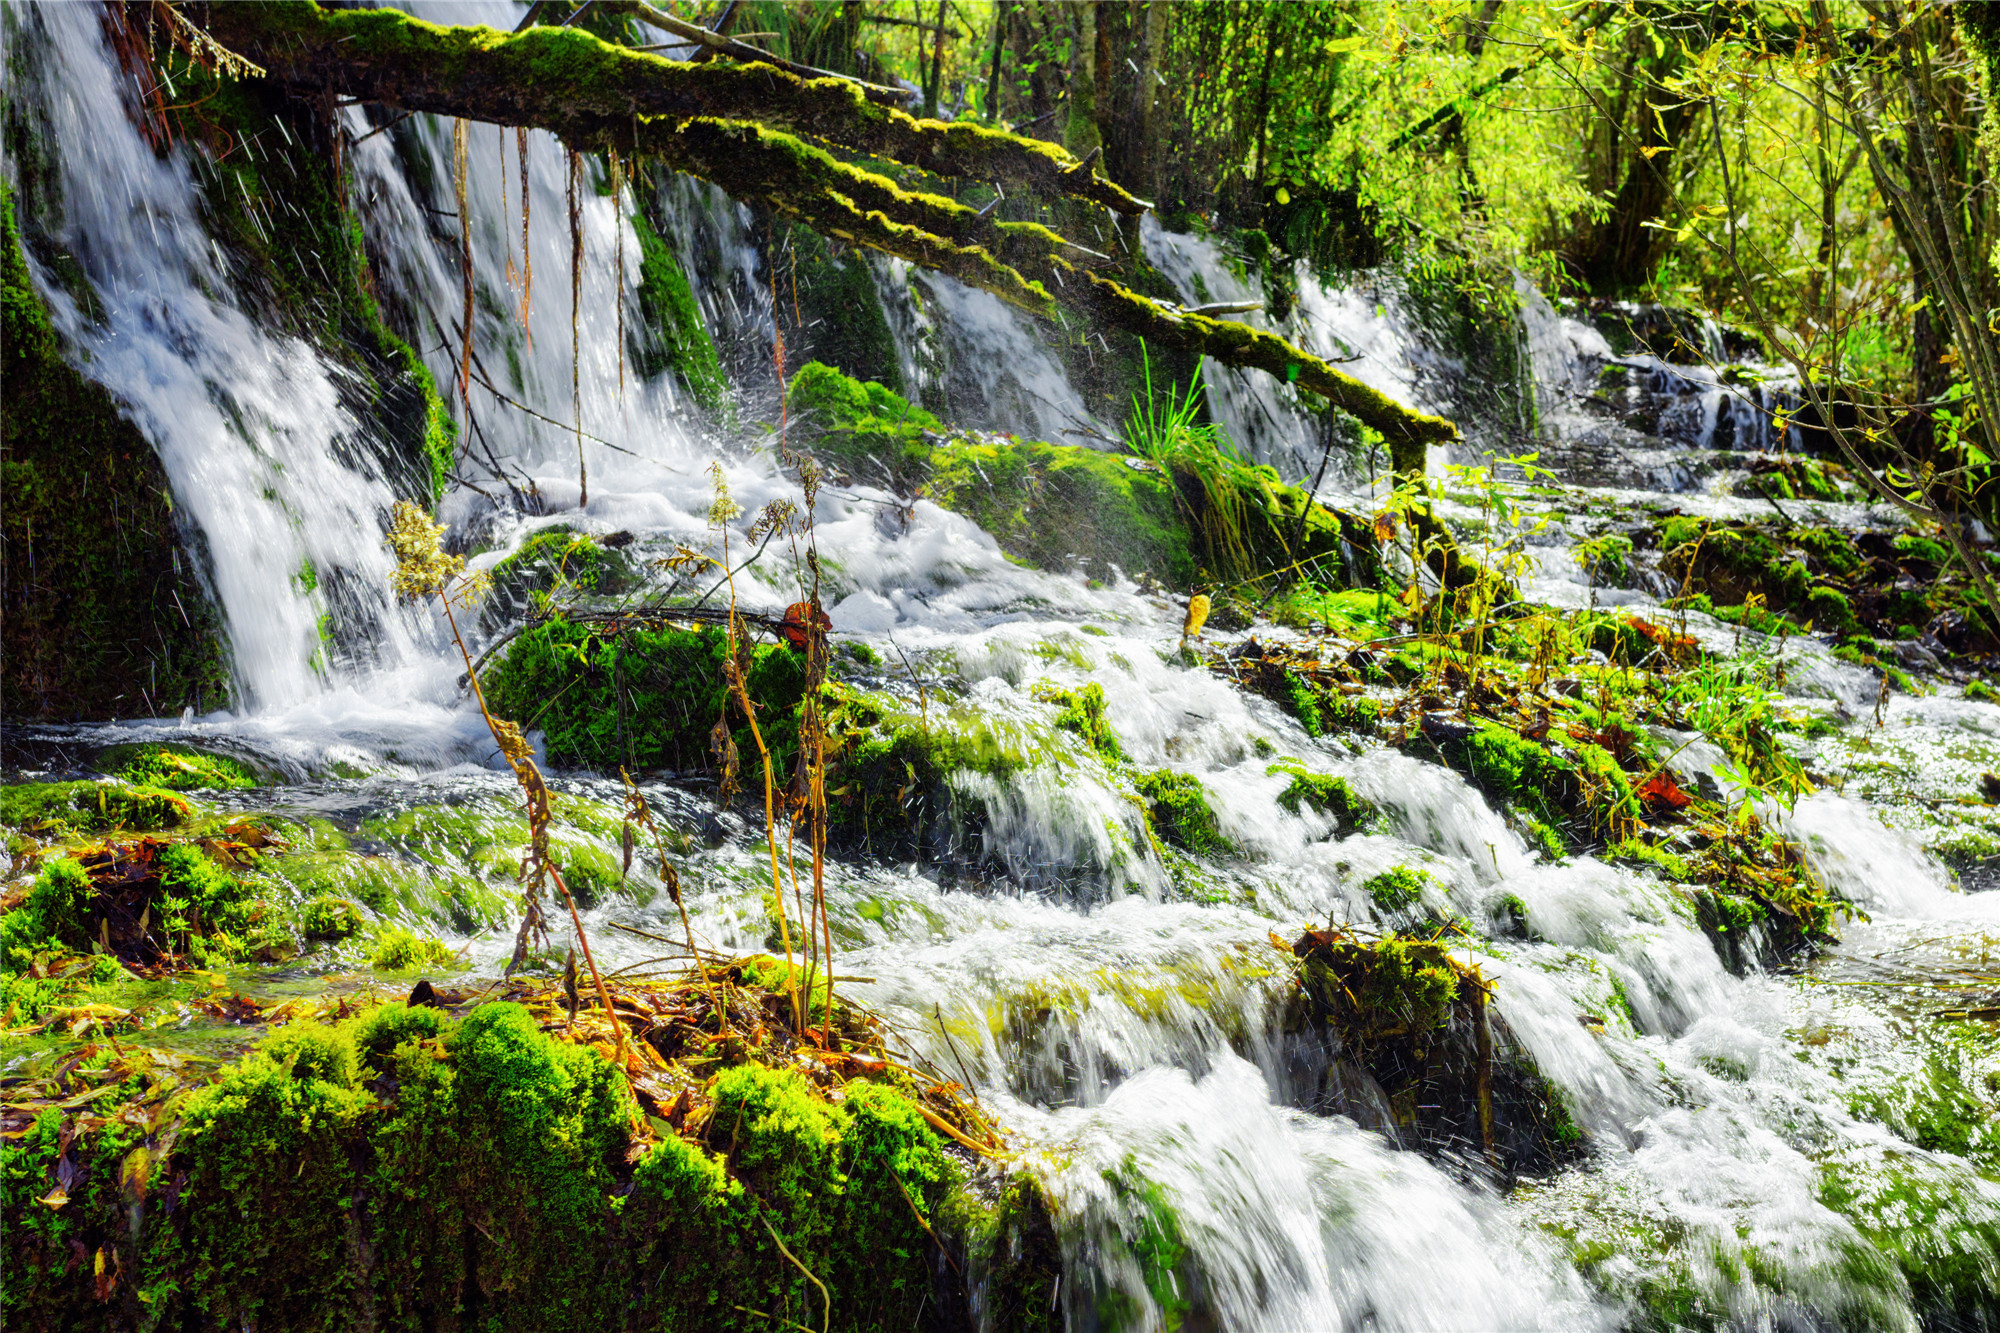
(1131,1039)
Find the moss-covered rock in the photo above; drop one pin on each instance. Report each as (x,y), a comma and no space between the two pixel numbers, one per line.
(646,699)
(673,336)
(104,615)
(414,1170)
(91,807)
(1177,805)
(178,768)
(1398,1035)
(1329,795)
(1055,506)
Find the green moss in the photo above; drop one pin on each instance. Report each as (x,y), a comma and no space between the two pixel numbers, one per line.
(1398,888)
(186,910)
(1637,851)
(1082,713)
(400,949)
(103,616)
(1181,816)
(560,557)
(645,699)
(91,806)
(329,918)
(180,768)
(1325,793)
(1583,793)
(1374,990)
(382,1031)
(678,338)
(864,428)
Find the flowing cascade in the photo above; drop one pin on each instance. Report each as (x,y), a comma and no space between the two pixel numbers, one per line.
(1112,752)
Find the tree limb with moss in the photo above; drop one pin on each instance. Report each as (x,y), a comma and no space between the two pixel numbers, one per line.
(745,128)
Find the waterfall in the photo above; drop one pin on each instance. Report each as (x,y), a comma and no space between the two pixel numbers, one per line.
(1129,1027)
(256,429)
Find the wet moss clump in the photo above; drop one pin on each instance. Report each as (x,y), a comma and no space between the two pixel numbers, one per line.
(67,808)
(1329,795)
(644,699)
(1082,713)
(180,768)
(104,615)
(1398,888)
(1177,805)
(409,1168)
(1394,1023)
(862,427)
(674,337)
(1579,789)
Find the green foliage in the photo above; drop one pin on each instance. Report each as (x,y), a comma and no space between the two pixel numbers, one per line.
(1180,813)
(1607,559)
(400,949)
(645,699)
(841,319)
(92,807)
(561,559)
(679,339)
(1398,888)
(378,1033)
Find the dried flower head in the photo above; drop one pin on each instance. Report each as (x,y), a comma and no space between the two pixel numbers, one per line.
(724,507)
(422,567)
(507,735)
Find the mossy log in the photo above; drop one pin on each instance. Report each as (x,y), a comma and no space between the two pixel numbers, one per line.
(735,126)
(568,81)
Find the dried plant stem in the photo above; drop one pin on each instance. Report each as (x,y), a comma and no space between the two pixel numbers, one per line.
(527,255)
(461,131)
(618,290)
(537,793)
(575,164)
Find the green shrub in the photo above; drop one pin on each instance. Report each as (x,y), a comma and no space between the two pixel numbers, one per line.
(399,949)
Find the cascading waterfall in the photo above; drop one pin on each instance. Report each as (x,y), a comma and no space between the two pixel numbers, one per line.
(256,430)
(1132,1038)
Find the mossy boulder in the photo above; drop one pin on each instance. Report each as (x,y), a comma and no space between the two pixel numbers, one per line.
(1329,795)
(177,767)
(1396,1033)
(645,699)
(672,335)
(91,807)
(413,1169)
(1177,806)
(1063,506)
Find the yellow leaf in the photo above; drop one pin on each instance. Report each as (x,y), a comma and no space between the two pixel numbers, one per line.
(55,1198)
(1284,196)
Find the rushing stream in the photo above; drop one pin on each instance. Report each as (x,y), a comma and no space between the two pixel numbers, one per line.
(1129,1033)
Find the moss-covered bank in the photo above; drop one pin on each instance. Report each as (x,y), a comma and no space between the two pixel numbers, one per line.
(103,611)
(418,1168)
(1060,506)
